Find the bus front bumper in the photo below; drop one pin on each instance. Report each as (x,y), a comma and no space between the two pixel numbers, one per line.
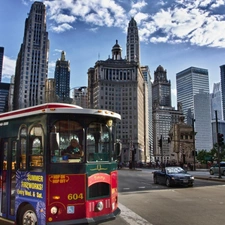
(86,221)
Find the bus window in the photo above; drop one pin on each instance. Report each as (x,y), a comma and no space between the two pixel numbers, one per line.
(23,144)
(61,136)
(98,138)
(36,147)
(23,147)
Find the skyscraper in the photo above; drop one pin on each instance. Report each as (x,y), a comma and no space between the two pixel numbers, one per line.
(147,77)
(189,82)
(1,62)
(192,92)
(62,78)
(118,84)
(222,80)
(133,45)
(32,61)
(164,116)
(216,102)
(161,88)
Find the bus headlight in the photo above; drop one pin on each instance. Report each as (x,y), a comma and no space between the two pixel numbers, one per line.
(99,206)
(54,210)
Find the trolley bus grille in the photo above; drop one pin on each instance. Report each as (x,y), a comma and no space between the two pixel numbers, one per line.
(99,190)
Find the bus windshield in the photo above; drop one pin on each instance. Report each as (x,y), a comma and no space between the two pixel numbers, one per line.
(71,142)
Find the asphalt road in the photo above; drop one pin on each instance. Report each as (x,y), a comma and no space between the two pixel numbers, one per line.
(145,203)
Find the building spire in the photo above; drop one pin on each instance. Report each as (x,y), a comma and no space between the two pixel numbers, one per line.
(133,45)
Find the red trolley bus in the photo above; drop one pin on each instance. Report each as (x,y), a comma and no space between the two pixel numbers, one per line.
(39,184)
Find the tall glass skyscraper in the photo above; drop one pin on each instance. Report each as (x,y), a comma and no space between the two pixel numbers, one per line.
(62,78)
(216,102)
(32,61)
(189,82)
(192,92)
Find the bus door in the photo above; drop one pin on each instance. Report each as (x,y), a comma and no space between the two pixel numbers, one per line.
(8,178)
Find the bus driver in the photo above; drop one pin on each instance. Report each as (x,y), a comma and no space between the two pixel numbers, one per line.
(74,150)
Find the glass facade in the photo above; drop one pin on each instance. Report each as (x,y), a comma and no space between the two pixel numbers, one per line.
(193,92)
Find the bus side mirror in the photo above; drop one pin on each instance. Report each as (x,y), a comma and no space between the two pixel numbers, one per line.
(118,149)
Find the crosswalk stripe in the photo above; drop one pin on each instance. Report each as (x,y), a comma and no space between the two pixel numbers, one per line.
(131,217)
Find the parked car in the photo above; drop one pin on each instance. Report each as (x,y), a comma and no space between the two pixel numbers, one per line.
(215,169)
(173,176)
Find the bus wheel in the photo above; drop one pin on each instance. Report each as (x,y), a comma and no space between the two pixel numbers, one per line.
(27,216)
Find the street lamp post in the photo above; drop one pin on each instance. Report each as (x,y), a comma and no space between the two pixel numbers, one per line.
(194,152)
(217,131)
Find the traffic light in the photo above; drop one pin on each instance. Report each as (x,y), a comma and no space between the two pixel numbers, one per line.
(220,139)
(160,142)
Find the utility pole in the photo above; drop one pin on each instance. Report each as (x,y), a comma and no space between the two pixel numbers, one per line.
(193,129)
(218,148)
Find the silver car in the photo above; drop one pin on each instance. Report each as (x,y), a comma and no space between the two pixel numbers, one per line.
(215,169)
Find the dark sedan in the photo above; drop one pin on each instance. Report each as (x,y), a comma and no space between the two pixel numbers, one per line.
(173,176)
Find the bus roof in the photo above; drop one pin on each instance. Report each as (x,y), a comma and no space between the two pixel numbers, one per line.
(56,108)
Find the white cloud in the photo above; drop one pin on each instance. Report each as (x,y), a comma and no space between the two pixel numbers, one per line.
(185,21)
(97,12)
(9,66)
(61,28)
(94,29)
(62,18)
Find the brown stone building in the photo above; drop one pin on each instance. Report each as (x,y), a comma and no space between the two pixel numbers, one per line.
(182,142)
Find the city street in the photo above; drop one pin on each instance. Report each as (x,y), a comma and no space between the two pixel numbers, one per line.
(145,203)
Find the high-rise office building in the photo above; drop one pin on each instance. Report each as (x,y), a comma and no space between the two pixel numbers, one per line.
(203,126)
(1,62)
(133,44)
(161,88)
(32,61)
(80,96)
(4,94)
(216,102)
(164,115)
(118,84)
(222,80)
(189,82)
(62,78)
(147,77)
(192,90)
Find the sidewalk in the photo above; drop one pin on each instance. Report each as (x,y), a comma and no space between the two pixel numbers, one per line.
(206,176)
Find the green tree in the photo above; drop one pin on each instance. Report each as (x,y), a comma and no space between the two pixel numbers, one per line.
(203,155)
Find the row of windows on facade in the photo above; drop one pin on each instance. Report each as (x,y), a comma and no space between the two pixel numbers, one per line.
(43,48)
(111,105)
(117,71)
(116,77)
(33,99)
(118,92)
(38,17)
(186,137)
(122,100)
(125,88)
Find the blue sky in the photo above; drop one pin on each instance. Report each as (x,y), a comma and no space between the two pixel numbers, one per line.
(176,34)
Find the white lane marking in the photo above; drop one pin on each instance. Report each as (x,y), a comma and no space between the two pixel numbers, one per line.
(141,187)
(131,217)
(126,188)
